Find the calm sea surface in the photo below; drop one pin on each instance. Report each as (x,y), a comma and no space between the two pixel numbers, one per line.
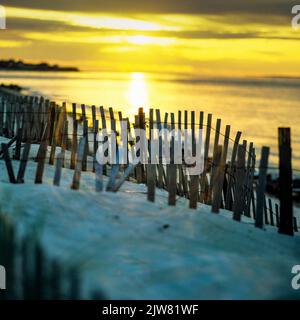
(257,107)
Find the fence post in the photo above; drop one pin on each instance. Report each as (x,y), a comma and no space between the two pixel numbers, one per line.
(277,214)
(271,212)
(23,163)
(58,168)
(213,165)
(8,163)
(228,200)
(171,169)
(86,148)
(204,188)
(217,184)
(78,167)
(103,128)
(160,181)
(261,187)
(151,168)
(285,182)
(239,186)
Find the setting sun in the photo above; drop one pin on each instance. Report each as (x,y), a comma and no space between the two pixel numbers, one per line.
(138,92)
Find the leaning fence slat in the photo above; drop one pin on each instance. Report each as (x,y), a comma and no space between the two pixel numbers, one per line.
(64,142)
(172,170)
(42,153)
(218,179)
(172,179)
(8,163)
(86,148)
(77,173)
(117,185)
(251,171)
(95,146)
(151,168)
(103,128)
(228,200)
(204,186)
(271,212)
(213,165)
(160,183)
(17,153)
(277,214)
(240,180)
(74,144)
(261,187)
(23,163)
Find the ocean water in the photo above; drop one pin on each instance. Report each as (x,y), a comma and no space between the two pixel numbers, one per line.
(255,106)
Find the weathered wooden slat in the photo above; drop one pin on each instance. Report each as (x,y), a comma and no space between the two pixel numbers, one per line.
(117,185)
(103,127)
(74,112)
(285,182)
(58,169)
(271,212)
(23,163)
(277,214)
(74,144)
(17,153)
(213,167)
(250,176)
(194,179)
(172,180)
(99,176)
(42,153)
(218,179)
(204,189)
(64,143)
(261,187)
(95,146)
(77,173)
(151,168)
(240,180)
(295,224)
(201,120)
(8,163)
(266,211)
(160,183)
(151,181)
(228,200)
(9,144)
(194,191)
(83,112)
(93,113)
(86,150)
(113,176)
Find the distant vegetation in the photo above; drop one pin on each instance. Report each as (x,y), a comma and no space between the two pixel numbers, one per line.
(19,65)
(12,87)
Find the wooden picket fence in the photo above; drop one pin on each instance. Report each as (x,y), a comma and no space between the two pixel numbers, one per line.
(227,181)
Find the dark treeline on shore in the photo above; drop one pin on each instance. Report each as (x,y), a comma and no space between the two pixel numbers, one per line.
(19,65)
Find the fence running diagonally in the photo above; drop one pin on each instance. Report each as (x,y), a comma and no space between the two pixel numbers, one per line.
(227,181)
